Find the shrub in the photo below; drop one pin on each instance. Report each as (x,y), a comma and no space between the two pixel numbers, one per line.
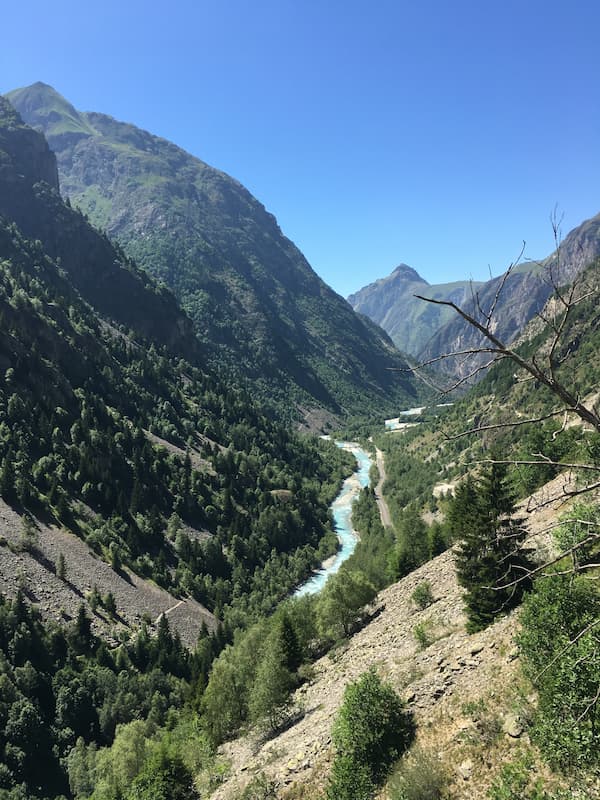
(419,776)
(559,643)
(422,634)
(422,595)
(371,731)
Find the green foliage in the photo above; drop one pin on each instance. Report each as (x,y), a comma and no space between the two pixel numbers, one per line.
(419,776)
(63,695)
(74,411)
(422,596)
(373,549)
(163,777)
(370,732)
(579,523)
(422,634)
(259,788)
(253,678)
(517,781)
(490,562)
(339,604)
(415,543)
(561,650)
(409,478)
(273,682)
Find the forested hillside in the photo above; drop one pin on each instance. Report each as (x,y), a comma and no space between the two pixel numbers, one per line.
(84,390)
(258,307)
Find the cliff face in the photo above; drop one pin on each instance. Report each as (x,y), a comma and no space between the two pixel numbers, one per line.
(259,308)
(25,159)
(29,197)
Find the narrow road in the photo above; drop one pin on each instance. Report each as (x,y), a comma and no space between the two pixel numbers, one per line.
(384,511)
(168,611)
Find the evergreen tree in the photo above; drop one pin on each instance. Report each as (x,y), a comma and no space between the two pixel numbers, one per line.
(270,693)
(491,564)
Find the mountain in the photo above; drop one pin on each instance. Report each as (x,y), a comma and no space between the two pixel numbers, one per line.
(523,296)
(111,426)
(258,307)
(390,302)
(427,331)
(103,276)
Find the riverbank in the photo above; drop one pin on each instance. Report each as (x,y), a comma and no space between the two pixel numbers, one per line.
(342,518)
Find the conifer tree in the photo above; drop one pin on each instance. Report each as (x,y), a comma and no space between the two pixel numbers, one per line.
(491,563)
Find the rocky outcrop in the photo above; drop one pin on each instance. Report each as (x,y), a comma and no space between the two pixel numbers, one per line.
(29,197)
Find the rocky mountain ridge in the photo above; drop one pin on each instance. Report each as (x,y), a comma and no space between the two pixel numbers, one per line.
(428,331)
(258,307)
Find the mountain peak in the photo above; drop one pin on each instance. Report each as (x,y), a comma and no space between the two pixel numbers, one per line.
(408,273)
(43,107)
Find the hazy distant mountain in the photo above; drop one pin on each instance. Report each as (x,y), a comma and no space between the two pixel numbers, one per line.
(258,307)
(523,296)
(426,331)
(391,303)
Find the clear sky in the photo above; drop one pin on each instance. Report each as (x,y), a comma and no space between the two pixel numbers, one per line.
(440,134)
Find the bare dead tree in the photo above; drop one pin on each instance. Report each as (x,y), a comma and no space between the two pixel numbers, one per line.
(547,367)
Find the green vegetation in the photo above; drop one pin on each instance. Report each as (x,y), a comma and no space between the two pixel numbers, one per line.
(422,595)
(371,731)
(420,775)
(560,646)
(64,694)
(518,781)
(261,312)
(75,404)
(490,562)
(373,548)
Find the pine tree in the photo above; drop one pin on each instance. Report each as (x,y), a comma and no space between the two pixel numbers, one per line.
(491,563)
(270,694)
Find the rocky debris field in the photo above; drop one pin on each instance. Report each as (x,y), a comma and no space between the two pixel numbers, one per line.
(437,675)
(59,598)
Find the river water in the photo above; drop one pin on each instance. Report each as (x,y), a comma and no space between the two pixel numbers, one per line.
(342,509)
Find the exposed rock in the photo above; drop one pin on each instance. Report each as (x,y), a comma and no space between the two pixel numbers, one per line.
(513,726)
(465,769)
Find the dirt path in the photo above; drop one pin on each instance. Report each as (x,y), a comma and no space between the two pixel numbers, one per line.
(384,511)
(168,611)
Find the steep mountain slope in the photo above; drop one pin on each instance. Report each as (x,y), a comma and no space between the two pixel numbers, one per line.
(390,302)
(256,303)
(521,299)
(427,331)
(107,430)
(104,277)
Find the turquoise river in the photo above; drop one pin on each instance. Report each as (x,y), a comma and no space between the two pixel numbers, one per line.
(342,512)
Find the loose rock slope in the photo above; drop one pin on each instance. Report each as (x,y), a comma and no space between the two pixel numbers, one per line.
(469,701)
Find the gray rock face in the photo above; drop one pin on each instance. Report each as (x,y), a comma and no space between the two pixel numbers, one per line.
(259,308)
(427,331)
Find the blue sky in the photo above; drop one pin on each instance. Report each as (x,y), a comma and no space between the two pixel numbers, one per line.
(440,134)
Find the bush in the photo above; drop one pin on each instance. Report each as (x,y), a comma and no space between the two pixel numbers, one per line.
(422,634)
(559,643)
(370,733)
(259,788)
(340,603)
(422,595)
(419,776)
